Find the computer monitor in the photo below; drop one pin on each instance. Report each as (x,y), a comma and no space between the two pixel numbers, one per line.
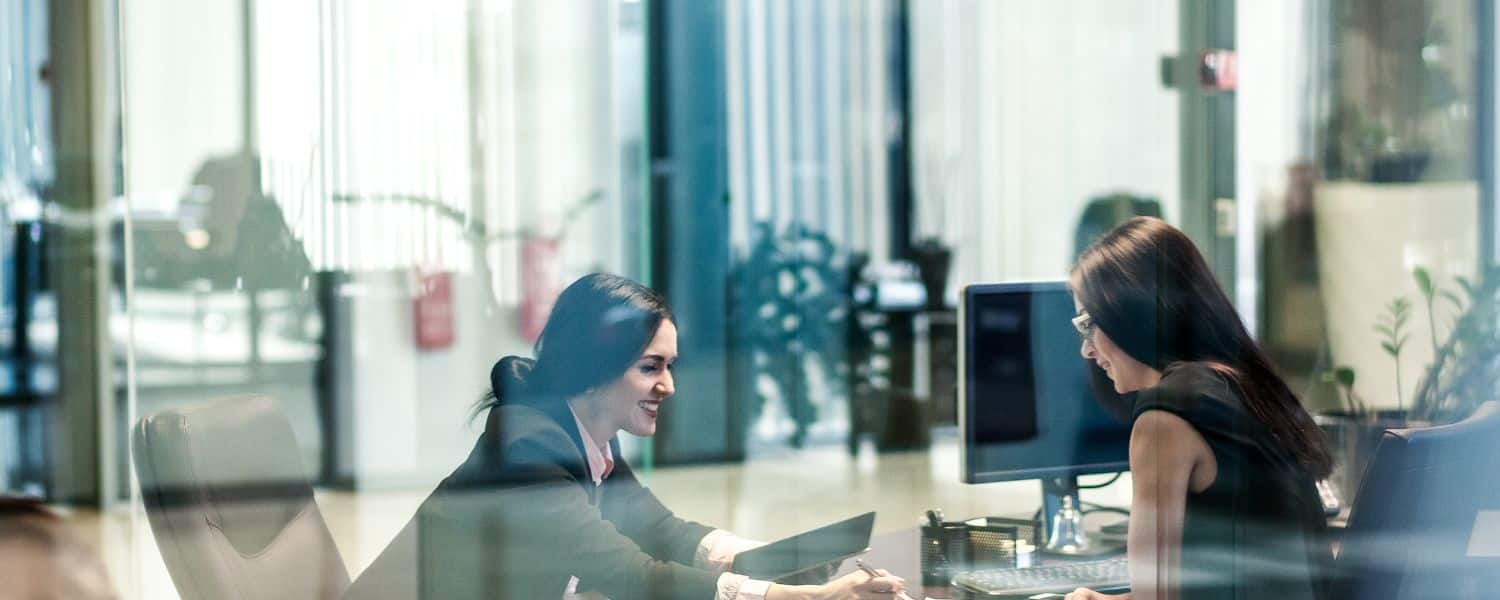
(1025,407)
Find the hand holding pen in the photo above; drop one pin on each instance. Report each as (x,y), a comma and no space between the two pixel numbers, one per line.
(868,584)
(874,573)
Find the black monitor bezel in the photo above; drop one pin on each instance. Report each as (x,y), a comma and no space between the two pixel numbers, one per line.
(965,404)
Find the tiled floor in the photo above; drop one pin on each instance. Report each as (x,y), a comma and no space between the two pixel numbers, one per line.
(767,498)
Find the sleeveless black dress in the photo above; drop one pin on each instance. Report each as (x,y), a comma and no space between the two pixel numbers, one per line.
(1258,532)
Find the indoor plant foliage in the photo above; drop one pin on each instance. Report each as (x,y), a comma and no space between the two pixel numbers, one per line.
(1392,326)
(1465,368)
(789,304)
(1463,374)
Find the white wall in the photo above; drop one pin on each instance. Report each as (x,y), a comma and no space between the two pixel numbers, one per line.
(1027,110)
(406,421)
(181,72)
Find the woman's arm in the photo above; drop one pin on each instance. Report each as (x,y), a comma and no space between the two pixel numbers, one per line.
(1167,458)
(638,514)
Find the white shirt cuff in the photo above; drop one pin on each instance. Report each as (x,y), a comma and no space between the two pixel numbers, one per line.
(716,551)
(739,587)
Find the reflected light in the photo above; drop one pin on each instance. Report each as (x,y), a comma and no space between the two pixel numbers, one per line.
(197,239)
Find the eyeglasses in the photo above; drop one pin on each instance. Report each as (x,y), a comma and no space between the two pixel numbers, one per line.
(1085,326)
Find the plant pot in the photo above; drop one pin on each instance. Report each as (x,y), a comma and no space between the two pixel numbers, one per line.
(933,261)
(1369,238)
(1352,441)
(1399,167)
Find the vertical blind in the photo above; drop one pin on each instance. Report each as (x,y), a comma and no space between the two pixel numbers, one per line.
(443,134)
(25,131)
(362,110)
(1024,112)
(808,122)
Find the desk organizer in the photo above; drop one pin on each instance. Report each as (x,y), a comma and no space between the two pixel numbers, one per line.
(957,546)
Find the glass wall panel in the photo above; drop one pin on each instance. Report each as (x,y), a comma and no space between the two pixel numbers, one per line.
(353,209)
(338,215)
(1371,212)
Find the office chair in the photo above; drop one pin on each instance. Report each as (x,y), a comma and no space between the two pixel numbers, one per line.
(229,504)
(1426,520)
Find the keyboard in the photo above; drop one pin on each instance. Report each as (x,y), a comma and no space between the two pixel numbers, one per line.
(1059,578)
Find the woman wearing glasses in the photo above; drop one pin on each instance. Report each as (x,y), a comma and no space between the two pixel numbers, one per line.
(1223,458)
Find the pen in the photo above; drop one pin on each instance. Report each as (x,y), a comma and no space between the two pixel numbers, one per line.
(873,573)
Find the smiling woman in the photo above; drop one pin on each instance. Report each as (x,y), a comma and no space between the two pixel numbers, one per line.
(545,507)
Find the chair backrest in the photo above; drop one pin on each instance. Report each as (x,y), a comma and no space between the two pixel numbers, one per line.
(230,505)
(1426,521)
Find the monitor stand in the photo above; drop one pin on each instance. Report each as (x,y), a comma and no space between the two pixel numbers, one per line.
(1054,489)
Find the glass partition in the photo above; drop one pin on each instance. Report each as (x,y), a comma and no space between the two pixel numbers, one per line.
(336,217)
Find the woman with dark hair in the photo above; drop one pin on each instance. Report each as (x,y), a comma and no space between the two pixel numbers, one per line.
(1224,460)
(544,507)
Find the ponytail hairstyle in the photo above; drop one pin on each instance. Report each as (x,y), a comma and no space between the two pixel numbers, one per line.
(599,326)
(1148,288)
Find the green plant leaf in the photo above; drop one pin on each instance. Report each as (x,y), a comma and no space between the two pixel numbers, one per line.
(1383,329)
(1458,303)
(1424,281)
(1345,376)
(1467,285)
(1389,349)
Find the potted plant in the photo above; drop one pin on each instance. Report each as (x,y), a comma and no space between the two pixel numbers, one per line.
(1465,368)
(1463,373)
(790,307)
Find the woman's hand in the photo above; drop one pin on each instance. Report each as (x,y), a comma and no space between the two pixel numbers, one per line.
(854,586)
(1088,594)
(814,576)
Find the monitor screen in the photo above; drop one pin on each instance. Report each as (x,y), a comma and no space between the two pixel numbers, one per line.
(1025,407)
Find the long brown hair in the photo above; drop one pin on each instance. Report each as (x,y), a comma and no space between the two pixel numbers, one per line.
(1148,288)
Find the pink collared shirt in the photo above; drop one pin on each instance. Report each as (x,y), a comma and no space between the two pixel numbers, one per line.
(600,457)
(715,551)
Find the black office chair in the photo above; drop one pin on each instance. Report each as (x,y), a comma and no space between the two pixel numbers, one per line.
(1426,520)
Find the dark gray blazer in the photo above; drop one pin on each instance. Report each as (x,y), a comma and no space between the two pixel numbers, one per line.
(522,515)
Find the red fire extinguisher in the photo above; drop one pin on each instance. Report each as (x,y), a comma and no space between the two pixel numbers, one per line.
(539,287)
(433,310)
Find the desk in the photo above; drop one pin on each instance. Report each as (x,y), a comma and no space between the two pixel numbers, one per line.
(896,552)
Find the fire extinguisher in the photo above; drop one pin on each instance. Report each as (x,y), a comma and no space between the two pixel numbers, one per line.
(539,284)
(432,311)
